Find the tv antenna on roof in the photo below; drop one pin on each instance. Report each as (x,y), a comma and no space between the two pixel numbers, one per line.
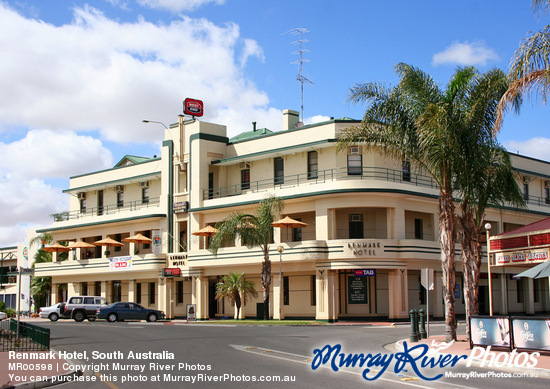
(300,62)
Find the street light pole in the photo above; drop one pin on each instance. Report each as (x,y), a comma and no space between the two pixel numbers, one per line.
(280,250)
(487,229)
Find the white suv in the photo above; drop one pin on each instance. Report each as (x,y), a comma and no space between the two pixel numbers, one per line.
(80,308)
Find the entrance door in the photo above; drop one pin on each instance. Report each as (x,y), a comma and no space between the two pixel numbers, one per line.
(356,295)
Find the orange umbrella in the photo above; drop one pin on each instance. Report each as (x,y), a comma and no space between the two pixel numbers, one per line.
(81,245)
(206,231)
(108,242)
(56,248)
(288,222)
(138,238)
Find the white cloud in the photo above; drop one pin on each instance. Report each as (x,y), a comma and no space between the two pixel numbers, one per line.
(48,154)
(178,5)
(97,73)
(535,147)
(474,53)
(316,119)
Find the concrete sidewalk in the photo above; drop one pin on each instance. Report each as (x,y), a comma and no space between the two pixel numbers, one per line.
(479,359)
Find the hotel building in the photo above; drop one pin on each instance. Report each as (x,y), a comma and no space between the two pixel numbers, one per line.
(365,214)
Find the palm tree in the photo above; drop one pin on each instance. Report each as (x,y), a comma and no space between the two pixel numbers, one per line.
(420,122)
(237,290)
(489,182)
(254,230)
(529,67)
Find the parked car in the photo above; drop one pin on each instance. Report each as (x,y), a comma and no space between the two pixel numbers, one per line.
(3,316)
(52,312)
(128,311)
(80,308)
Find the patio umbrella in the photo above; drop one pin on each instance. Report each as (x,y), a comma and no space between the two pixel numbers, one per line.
(109,242)
(206,231)
(56,248)
(81,245)
(288,222)
(542,270)
(137,239)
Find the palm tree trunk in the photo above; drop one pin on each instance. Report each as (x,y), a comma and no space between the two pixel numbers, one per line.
(238,304)
(266,281)
(467,238)
(447,241)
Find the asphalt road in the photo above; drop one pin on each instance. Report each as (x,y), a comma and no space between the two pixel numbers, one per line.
(140,355)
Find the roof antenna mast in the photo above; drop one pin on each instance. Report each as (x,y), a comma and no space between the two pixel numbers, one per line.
(300,62)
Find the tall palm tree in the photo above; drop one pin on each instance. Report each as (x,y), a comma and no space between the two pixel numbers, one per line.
(236,289)
(419,121)
(487,180)
(254,230)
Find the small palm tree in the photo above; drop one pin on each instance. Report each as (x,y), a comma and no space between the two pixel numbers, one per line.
(236,289)
(254,230)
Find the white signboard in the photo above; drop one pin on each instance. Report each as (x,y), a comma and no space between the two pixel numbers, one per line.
(157,242)
(191,312)
(120,263)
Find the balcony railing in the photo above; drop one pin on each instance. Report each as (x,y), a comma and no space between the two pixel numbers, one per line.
(322,176)
(128,206)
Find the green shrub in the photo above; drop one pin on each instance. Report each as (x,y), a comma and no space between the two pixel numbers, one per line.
(10,312)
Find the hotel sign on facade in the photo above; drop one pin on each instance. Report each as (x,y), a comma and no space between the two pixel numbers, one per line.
(521,257)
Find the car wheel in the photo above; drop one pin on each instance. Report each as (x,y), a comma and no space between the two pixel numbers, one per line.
(152,317)
(54,316)
(111,317)
(79,316)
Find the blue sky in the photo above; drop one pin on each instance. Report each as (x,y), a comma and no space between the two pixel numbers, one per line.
(78,77)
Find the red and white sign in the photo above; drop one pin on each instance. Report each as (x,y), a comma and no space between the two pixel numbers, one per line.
(521,257)
(120,263)
(193,107)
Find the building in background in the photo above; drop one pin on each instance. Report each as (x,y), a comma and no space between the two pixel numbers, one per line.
(371,226)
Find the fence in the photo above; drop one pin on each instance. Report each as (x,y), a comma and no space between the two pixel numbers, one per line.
(31,337)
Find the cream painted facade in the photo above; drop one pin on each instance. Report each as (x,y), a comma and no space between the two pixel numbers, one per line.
(364,212)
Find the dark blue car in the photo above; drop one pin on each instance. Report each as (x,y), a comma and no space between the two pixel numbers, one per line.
(128,311)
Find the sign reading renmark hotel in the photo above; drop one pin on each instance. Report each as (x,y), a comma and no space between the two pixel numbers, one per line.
(365,249)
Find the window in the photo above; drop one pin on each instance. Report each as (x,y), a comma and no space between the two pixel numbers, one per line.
(119,199)
(138,293)
(245,179)
(151,293)
(84,288)
(117,291)
(313,289)
(355,165)
(82,205)
(147,234)
(179,296)
(98,288)
(525,190)
(406,169)
(547,194)
(312,165)
(356,230)
(286,291)
(88,300)
(297,233)
(279,170)
(210,185)
(100,202)
(418,229)
(118,238)
(145,195)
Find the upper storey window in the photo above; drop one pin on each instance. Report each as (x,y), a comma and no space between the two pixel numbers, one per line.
(312,165)
(278,170)
(355,164)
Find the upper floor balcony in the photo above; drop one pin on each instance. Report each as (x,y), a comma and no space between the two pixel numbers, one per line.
(321,177)
(108,209)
